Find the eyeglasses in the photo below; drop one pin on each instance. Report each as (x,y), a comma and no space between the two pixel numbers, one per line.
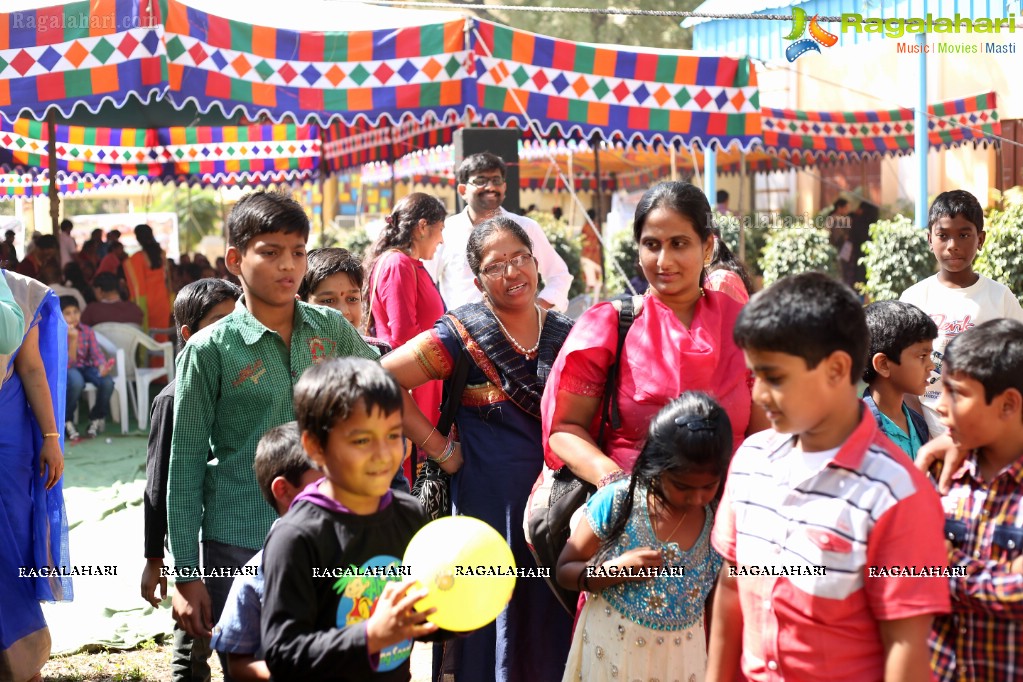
(495,270)
(482,182)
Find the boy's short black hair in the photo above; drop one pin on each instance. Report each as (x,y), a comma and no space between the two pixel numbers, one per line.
(262,213)
(839,203)
(68,302)
(327,393)
(106,281)
(196,299)
(722,196)
(478,163)
(990,353)
(280,453)
(810,316)
(895,326)
(957,202)
(323,263)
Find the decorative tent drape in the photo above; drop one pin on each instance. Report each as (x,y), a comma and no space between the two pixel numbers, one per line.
(376,95)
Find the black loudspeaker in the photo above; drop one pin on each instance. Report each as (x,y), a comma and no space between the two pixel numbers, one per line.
(501,141)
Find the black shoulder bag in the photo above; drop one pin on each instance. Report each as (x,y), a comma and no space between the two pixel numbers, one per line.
(552,505)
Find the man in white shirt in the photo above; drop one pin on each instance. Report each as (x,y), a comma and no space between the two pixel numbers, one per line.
(68,246)
(481,183)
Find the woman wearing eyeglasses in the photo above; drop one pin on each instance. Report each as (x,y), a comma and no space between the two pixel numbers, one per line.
(495,453)
(681,340)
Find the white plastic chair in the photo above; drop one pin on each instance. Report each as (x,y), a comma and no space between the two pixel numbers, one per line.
(128,339)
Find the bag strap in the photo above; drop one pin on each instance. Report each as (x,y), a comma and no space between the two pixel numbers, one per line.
(370,327)
(453,394)
(627,309)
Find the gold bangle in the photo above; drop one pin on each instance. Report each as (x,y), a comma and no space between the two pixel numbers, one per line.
(427,439)
(51,435)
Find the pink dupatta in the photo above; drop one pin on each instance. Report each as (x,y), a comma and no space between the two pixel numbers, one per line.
(660,360)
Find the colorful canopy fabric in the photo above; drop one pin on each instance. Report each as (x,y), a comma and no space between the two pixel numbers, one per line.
(393,75)
(346,146)
(80,54)
(27,186)
(208,155)
(809,136)
(238,154)
(653,97)
(541,167)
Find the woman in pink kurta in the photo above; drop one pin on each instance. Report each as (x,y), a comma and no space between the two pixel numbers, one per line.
(680,340)
(403,299)
(660,360)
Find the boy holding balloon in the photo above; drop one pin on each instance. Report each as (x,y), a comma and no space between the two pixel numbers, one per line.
(337,602)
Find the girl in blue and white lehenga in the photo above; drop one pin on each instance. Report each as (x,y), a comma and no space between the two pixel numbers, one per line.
(33,523)
(642,553)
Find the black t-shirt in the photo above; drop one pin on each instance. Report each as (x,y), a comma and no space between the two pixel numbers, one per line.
(314,621)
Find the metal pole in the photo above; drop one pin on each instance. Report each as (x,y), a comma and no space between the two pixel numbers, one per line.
(597,217)
(323,201)
(742,223)
(710,173)
(920,120)
(571,187)
(51,132)
(674,163)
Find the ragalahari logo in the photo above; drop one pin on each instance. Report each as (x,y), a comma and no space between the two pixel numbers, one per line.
(817,36)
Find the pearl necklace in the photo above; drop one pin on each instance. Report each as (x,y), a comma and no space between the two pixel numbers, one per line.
(522,349)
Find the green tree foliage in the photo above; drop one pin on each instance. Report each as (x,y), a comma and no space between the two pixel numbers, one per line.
(662,32)
(1001,257)
(896,256)
(357,242)
(568,245)
(198,212)
(622,249)
(72,206)
(792,250)
(754,236)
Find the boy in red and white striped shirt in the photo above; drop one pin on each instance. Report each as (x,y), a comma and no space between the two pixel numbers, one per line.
(816,507)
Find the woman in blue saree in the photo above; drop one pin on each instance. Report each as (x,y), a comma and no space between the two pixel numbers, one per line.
(33,523)
(496,454)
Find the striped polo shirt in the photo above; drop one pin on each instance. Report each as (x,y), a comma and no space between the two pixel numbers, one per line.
(815,557)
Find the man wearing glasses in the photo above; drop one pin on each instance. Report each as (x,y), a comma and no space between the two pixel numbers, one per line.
(481,184)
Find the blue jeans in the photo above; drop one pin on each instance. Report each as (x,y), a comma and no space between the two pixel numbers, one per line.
(77,378)
(217,555)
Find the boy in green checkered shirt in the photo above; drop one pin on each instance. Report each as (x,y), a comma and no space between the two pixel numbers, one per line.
(235,382)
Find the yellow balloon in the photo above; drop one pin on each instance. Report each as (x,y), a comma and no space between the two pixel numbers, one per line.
(467,568)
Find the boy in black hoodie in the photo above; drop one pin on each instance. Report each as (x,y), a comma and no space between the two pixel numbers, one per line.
(325,617)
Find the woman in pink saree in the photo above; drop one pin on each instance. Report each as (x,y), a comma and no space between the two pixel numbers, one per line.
(681,340)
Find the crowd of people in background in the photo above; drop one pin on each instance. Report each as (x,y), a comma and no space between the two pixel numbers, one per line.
(74,269)
(716,428)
